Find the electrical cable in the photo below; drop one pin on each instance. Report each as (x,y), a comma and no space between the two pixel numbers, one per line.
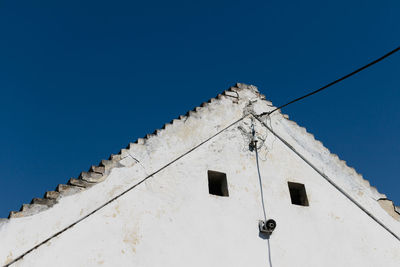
(329,180)
(258,171)
(122,193)
(259,178)
(334,82)
(254,144)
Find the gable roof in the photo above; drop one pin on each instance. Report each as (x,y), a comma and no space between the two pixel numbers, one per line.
(97,174)
(72,202)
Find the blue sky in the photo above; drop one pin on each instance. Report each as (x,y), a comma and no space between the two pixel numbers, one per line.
(79,80)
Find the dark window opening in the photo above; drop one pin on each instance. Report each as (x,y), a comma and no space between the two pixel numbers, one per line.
(298,194)
(217,184)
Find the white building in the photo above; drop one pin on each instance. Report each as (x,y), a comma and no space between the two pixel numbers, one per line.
(190,195)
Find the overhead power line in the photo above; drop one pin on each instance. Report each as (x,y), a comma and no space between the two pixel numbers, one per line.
(334,82)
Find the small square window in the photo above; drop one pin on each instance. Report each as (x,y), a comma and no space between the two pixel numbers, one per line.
(217,184)
(298,194)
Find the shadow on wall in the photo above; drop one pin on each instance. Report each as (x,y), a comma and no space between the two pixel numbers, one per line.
(267,237)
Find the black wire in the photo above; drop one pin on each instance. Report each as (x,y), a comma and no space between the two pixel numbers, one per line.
(329,180)
(334,82)
(121,194)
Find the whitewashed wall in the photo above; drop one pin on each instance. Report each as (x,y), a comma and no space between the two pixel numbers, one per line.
(171,220)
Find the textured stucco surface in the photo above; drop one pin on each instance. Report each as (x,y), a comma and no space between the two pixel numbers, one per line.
(171,220)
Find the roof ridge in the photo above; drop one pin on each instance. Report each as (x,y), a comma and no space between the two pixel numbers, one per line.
(336,157)
(99,173)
